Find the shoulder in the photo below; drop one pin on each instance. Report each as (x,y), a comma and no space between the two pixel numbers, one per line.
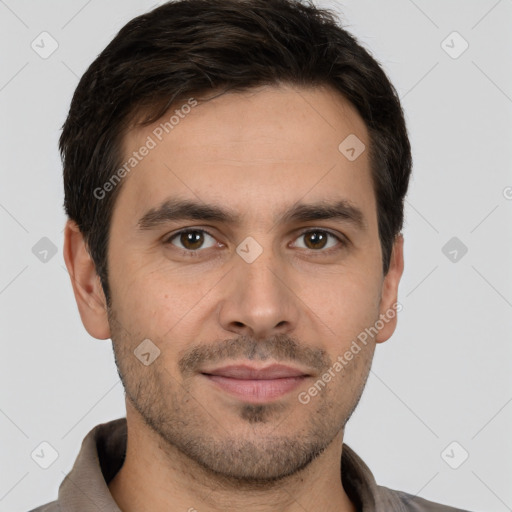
(49,507)
(411,503)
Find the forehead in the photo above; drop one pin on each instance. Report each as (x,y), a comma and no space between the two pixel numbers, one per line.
(252,150)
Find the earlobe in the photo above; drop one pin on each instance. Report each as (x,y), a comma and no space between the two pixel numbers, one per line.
(389,305)
(86,283)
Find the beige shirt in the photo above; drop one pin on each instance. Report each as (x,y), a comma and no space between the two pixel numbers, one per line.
(102,454)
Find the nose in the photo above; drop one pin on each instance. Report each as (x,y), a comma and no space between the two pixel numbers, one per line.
(259,301)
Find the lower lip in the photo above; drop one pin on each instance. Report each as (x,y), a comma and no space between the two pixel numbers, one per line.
(256,390)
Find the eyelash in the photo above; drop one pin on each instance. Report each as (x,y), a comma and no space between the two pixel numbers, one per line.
(191,253)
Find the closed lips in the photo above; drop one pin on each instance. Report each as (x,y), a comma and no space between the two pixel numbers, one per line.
(243,372)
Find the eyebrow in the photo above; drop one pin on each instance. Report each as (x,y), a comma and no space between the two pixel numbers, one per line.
(174,209)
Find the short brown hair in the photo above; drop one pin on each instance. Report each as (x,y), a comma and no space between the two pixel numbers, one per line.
(188,47)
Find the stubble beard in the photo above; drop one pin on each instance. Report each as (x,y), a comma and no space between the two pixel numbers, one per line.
(258,454)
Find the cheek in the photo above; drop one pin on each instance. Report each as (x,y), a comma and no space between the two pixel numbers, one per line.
(346,302)
(159,302)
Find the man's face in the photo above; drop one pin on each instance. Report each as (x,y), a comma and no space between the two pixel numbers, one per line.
(256,289)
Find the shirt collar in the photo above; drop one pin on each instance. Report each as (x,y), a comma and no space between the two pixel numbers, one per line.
(85,488)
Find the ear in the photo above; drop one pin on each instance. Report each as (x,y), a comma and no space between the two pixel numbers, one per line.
(389,305)
(86,283)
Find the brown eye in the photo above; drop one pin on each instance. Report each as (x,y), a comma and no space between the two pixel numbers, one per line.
(315,239)
(318,239)
(191,240)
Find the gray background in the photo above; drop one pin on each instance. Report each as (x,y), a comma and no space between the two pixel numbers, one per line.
(445,374)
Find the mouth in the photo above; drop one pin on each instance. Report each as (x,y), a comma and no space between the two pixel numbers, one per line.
(256,385)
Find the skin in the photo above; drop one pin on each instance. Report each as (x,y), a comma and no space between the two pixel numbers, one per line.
(190,444)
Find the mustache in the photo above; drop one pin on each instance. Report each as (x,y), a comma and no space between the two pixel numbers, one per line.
(281,348)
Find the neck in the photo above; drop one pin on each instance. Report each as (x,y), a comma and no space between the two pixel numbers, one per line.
(161,478)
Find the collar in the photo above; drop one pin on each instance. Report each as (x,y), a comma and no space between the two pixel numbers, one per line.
(102,455)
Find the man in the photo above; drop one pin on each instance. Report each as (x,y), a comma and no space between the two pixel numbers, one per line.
(235,172)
